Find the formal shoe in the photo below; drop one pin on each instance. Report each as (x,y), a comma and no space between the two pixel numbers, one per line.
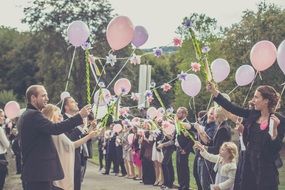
(104,173)
(155,183)
(122,175)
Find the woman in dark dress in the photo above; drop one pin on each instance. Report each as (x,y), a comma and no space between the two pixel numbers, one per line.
(148,173)
(259,171)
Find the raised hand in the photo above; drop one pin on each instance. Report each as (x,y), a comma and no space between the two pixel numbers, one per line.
(212,89)
(85,111)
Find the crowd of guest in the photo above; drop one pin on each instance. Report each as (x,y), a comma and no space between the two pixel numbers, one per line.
(51,145)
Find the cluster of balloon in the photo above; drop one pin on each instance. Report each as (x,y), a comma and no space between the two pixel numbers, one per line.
(122,86)
(121,32)
(77,33)
(191,85)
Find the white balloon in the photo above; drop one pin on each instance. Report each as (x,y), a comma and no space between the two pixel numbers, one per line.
(64,95)
(244,75)
(77,33)
(191,85)
(151,112)
(281,56)
(101,112)
(104,99)
(220,69)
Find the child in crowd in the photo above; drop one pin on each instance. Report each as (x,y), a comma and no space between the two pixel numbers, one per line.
(225,164)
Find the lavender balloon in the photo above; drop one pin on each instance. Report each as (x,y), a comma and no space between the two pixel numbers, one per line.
(140,36)
(77,33)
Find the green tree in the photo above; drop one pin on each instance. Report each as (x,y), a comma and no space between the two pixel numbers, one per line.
(50,18)
(267,23)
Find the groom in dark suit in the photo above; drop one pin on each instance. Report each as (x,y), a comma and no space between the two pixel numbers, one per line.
(41,164)
(70,108)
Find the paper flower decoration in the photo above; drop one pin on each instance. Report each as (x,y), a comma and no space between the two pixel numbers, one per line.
(124,111)
(157,52)
(101,84)
(187,23)
(152,84)
(148,93)
(177,42)
(111,59)
(86,46)
(182,76)
(166,124)
(166,87)
(126,122)
(206,49)
(135,96)
(195,67)
(135,59)
(91,59)
(170,110)
(149,99)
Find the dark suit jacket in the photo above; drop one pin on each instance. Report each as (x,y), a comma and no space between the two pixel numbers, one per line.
(40,158)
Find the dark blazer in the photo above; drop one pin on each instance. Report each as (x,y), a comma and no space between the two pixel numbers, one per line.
(40,158)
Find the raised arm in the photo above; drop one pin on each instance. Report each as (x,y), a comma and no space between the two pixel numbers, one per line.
(226,104)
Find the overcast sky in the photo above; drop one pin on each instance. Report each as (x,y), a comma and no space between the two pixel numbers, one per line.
(159,17)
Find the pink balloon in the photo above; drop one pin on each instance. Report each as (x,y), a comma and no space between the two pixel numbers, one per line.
(263,55)
(281,56)
(77,33)
(220,69)
(244,75)
(191,85)
(122,87)
(140,36)
(103,99)
(130,138)
(120,32)
(117,128)
(151,112)
(12,109)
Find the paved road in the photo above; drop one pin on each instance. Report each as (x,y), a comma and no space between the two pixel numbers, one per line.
(96,181)
(93,180)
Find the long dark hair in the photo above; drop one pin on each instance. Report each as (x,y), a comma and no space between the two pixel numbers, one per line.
(269,93)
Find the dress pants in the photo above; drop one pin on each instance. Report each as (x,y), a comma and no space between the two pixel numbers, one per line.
(182,170)
(167,168)
(3,171)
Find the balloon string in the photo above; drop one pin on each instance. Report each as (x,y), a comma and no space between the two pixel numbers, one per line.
(120,69)
(70,68)
(68,76)
(158,97)
(283,89)
(250,88)
(233,90)
(209,103)
(259,73)
(94,74)
(98,81)
(194,109)
(88,96)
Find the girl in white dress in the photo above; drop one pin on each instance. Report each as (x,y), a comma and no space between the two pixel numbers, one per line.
(226,164)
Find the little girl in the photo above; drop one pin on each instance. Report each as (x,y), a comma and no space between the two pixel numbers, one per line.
(225,164)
